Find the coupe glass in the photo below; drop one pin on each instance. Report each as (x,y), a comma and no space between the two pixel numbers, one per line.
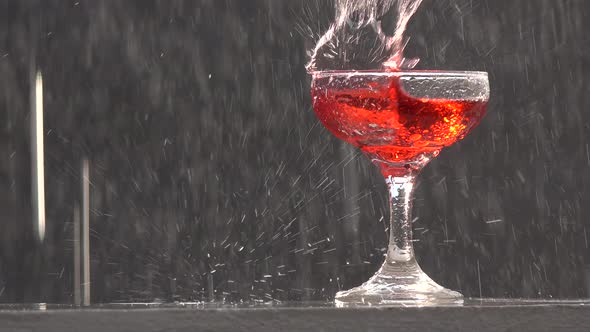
(400,120)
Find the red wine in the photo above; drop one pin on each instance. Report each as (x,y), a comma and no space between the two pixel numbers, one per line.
(388,124)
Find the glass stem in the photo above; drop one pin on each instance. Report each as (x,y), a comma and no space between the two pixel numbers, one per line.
(400,226)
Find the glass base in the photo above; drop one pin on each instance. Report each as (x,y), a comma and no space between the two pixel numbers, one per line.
(399,283)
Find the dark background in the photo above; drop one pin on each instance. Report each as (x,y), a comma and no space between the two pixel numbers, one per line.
(211,178)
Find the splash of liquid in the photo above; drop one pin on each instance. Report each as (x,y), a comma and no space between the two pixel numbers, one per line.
(357,38)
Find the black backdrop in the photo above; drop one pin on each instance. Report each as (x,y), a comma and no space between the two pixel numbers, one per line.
(210,177)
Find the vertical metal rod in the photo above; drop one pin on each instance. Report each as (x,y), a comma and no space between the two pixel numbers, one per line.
(85,232)
(210,287)
(479,280)
(77,285)
(37,157)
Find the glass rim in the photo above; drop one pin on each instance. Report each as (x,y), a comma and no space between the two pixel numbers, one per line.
(385,72)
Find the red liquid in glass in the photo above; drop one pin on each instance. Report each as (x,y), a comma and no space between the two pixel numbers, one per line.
(391,126)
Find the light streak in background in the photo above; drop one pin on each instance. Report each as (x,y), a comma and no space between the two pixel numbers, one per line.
(37,158)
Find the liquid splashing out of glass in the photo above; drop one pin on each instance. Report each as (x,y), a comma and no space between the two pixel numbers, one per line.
(400,119)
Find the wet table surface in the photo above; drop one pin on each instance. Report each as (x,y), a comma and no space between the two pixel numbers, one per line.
(475,315)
